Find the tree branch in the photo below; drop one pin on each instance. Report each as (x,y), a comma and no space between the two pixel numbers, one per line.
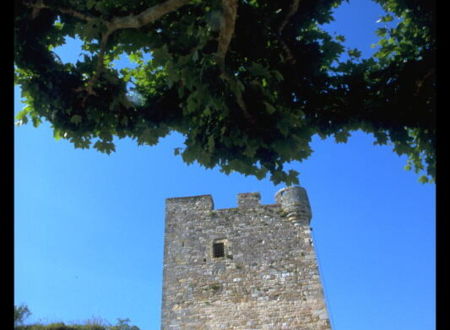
(148,16)
(227,26)
(100,65)
(292,10)
(420,82)
(38,5)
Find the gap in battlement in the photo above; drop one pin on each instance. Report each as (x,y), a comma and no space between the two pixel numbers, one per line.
(222,202)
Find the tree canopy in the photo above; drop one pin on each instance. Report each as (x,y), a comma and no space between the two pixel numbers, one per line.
(247,82)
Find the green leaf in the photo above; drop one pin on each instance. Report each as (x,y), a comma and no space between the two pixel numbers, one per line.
(292,177)
(188,156)
(161,56)
(36,121)
(90,4)
(211,143)
(105,147)
(195,56)
(136,57)
(258,70)
(57,134)
(341,136)
(76,119)
(277,75)
(269,107)
(381,32)
(423,179)
(340,38)
(385,19)
(354,53)
(22,116)
(148,137)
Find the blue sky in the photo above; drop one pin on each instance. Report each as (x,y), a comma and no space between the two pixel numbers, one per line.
(89,227)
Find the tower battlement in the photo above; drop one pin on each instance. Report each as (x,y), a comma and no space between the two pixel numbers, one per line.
(192,203)
(248,267)
(292,200)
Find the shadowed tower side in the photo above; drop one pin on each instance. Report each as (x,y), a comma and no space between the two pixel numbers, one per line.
(250,267)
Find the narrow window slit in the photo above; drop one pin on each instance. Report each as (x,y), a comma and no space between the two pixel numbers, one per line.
(218,250)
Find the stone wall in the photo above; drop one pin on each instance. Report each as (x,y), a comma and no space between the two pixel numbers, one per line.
(267,279)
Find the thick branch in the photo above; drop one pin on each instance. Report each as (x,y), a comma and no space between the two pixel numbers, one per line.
(420,82)
(148,16)
(292,10)
(100,64)
(227,26)
(38,5)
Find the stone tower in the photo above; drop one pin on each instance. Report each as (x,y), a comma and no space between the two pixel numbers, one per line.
(250,267)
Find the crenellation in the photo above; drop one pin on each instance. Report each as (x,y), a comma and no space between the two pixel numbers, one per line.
(190,204)
(250,267)
(249,200)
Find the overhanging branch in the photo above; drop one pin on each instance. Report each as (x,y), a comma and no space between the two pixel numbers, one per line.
(146,17)
(292,10)
(38,5)
(227,25)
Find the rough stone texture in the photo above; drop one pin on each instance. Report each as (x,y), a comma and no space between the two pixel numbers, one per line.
(268,278)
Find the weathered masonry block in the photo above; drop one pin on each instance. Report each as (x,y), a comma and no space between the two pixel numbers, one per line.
(250,267)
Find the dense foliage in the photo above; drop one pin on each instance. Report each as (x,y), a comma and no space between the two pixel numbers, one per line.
(247,82)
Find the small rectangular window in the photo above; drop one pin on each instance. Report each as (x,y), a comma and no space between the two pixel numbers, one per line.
(218,250)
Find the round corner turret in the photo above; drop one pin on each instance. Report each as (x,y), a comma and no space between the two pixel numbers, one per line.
(295,204)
